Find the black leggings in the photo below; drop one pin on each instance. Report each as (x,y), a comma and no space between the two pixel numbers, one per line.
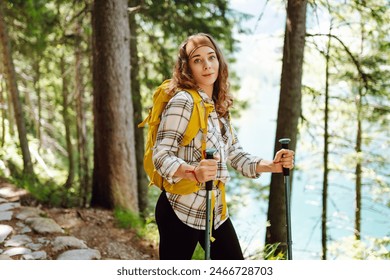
(178,241)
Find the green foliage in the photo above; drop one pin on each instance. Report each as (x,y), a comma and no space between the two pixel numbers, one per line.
(47,193)
(198,253)
(268,252)
(44,31)
(163,25)
(351,248)
(129,220)
(144,228)
(271,252)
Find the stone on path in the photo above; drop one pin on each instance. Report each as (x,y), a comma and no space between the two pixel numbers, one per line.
(34,246)
(9,206)
(39,255)
(44,225)
(17,251)
(15,243)
(29,212)
(80,254)
(18,240)
(5,230)
(6,215)
(65,242)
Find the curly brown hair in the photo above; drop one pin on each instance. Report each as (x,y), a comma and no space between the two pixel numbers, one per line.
(182,77)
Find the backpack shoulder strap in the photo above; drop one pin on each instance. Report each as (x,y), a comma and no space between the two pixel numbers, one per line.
(199,118)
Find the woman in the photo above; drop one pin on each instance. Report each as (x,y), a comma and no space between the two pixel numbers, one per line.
(181,218)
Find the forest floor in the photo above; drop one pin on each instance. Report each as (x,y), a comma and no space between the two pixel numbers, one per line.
(98,228)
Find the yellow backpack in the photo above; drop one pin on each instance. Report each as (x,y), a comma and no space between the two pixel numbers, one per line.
(197,121)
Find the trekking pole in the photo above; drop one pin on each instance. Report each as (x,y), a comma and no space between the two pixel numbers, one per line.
(287,187)
(209,186)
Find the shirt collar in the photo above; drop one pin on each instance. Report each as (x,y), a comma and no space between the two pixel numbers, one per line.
(205,97)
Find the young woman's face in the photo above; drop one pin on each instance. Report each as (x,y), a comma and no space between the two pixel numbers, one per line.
(204,65)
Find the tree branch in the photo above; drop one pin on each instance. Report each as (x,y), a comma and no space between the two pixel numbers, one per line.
(362,74)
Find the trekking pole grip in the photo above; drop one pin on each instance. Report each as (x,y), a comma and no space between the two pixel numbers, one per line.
(210,155)
(285,142)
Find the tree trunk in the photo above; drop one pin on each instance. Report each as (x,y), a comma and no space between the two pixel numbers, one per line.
(67,121)
(324,213)
(37,88)
(137,105)
(115,172)
(358,148)
(358,167)
(289,113)
(10,74)
(82,148)
(3,114)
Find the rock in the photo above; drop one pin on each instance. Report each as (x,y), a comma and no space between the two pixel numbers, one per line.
(80,254)
(6,215)
(32,235)
(23,228)
(9,206)
(44,225)
(39,255)
(43,240)
(34,246)
(18,240)
(5,230)
(9,191)
(65,242)
(28,212)
(17,251)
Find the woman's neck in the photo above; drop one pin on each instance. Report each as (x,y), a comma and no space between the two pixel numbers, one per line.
(208,90)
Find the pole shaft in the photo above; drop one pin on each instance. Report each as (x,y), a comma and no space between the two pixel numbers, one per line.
(208,228)
(288,216)
(209,187)
(286,173)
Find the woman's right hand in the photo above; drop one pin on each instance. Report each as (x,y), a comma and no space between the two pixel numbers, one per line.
(206,170)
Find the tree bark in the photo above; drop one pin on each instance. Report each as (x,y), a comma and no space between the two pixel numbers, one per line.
(358,167)
(324,214)
(115,172)
(289,113)
(10,74)
(83,163)
(137,105)
(358,147)
(67,121)
(3,114)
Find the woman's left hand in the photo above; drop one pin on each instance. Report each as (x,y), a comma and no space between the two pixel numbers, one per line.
(284,159)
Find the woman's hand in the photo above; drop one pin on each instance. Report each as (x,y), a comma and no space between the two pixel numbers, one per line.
(283,159)
(206,170)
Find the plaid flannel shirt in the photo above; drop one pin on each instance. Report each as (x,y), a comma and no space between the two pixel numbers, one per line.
(168,155)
